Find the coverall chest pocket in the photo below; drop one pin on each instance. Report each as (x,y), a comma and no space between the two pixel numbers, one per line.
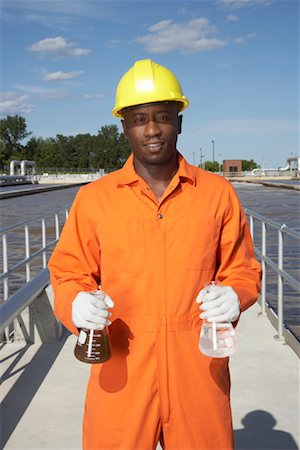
(122,246)
(197,243)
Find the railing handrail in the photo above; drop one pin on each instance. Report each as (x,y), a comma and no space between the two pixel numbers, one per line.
(34,219)
(22,298)
(277,318)
(28,292)
(273,223)
(24,261)
(30,251)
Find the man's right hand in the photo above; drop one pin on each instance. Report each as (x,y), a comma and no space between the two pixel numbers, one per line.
(90,310)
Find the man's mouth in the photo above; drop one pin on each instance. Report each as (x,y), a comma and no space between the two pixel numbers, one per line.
(154,146)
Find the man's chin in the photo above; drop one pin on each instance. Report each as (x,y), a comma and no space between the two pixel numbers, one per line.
(159,158)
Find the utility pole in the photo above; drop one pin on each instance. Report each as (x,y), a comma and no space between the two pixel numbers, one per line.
(213,152)
(201,156)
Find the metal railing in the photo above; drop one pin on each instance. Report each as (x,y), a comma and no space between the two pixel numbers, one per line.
(26,294)
(42,233)
(22,298)
(282,231)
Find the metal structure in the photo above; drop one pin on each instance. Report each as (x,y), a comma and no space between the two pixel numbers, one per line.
(23,298)
(18,301)
(23,167)
(276,318)
(42,227)
(289,164)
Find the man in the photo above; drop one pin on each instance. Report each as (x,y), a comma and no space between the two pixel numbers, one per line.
(152,234)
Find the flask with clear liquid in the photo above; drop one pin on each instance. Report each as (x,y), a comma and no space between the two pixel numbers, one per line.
(217,339)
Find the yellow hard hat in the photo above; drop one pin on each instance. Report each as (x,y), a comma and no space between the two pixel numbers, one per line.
(147,82)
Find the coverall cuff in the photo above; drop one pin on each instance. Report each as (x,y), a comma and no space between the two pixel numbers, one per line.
(245,297)
(63,311)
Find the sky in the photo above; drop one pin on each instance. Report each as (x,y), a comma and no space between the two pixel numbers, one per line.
(236,60)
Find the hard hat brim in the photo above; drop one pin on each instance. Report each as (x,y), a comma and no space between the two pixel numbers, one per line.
(183,103)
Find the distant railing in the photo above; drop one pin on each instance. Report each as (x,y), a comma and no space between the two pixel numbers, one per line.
(42,231)
(261,173)
(261,252)
(68,177)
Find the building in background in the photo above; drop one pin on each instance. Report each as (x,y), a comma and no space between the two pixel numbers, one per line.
(232,167)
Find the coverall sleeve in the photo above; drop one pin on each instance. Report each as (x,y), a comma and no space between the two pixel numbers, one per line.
(75,263)
(237,266)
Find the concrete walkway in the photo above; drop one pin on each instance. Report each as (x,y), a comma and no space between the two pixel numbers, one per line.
(44,388)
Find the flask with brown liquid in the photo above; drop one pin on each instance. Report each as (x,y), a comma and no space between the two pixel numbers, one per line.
(93,346)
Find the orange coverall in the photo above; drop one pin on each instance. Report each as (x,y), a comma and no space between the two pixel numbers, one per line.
(153,258)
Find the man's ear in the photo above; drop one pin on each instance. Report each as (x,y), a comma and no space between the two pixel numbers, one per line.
(179,124)
(124,128)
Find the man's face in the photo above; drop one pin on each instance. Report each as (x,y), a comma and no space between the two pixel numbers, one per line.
(152,132)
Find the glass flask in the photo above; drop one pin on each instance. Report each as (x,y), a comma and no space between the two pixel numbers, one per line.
(217,339)
(93,346)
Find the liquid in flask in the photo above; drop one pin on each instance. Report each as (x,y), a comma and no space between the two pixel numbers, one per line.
(93,346)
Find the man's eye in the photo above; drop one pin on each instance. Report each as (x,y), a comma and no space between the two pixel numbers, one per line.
(139,119)
(163,118)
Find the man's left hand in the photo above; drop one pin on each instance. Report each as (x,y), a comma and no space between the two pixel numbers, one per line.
(219,305)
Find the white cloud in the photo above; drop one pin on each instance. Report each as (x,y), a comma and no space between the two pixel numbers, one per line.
(182,11)
(54,94)
(60,21)
(242,39)
(239,40)
(249,126)
(93,96)
(61,76)
(43,93)
(237,4)
(57,46)
(189,37)
(30,89)
(114,42)
(232,18)
(14,103)
(159,26)
(60,9)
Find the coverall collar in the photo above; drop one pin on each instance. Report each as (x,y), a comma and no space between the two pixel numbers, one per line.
(127,175)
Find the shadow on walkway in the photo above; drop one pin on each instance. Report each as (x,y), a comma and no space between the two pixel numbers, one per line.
(259,434)
(24,389)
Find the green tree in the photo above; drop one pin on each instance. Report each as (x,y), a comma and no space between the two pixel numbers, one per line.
(211,166)
(13,129)
(108,150)
(84,147)
(248,165)
(112,149)
(30,149)
(45,153)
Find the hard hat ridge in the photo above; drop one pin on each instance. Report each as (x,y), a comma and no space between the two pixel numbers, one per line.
(147,82)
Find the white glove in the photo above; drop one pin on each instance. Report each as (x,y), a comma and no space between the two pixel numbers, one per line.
(90,310)
(220,304)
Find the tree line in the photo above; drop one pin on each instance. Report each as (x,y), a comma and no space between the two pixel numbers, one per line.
(107,150)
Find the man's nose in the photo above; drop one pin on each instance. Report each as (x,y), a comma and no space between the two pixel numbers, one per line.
(152,128)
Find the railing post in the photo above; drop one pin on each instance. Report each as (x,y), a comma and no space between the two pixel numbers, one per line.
(44,243)
(251,221)
(5,267)
(264,267)
(27,252)
(280,284)
(56,226)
